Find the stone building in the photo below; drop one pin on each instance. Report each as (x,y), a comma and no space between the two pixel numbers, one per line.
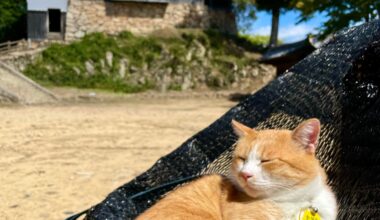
(137,16)
(46,19)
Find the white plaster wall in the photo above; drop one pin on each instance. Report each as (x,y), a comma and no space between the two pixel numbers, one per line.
(44,5)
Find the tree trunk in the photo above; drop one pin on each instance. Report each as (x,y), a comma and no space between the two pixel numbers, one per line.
(367,18)
(275,24)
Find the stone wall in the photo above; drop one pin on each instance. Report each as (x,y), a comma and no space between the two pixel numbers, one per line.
(87,16)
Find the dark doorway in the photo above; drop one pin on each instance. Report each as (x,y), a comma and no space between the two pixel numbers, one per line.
(54,20)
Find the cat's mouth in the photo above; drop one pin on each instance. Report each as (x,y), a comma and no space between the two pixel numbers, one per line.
(255,185)
(252,190)
(250,184)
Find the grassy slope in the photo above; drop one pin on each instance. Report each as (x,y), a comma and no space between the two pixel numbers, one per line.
(64,65)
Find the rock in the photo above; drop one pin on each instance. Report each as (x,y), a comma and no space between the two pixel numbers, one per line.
(235,67)
(168,71)
(201,50)
(123,67)
(236,78)
(102,64)
(243,73)
(133,69)
(180,70)
(141,80)
(89,67)
(109,58)
(76,70)
(267,69)
(189,55)
(194,64)
(165,82)
(103,69)
(209,54)
(186,84)
(254,72)
(202,78)
(145,67)
(216,79)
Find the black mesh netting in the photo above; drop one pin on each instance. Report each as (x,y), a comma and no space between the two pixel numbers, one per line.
(338,83)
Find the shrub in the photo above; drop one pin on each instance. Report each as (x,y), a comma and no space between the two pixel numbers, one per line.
(138,62)
(260,41)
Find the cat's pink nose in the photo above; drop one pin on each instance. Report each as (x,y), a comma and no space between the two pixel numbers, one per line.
(246,175)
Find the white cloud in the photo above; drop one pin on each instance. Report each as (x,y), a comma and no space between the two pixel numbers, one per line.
(288,33)
(294,32)
(262,30)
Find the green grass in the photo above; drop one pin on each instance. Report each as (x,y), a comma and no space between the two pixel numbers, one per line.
(64,65)
(261,41)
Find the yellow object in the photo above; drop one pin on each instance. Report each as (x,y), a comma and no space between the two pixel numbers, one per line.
(309,214)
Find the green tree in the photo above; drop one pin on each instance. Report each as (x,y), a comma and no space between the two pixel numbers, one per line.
(341,13)
(275,7)
(12,19)
(246,10)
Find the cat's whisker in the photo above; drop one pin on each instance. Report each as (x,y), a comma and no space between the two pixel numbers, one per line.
(269,185)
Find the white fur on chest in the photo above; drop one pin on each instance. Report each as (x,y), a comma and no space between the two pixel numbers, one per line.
(315,195)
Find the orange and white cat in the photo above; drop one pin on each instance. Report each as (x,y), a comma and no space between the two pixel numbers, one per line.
(274,175)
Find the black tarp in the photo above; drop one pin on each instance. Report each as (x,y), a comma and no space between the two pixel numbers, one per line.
(338,83)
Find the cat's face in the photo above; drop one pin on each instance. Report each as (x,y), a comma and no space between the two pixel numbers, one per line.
(270,162)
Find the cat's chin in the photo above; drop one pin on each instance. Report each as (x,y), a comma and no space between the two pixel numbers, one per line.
(256,194)
(252,191)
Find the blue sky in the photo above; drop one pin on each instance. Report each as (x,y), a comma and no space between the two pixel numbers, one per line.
(289,31)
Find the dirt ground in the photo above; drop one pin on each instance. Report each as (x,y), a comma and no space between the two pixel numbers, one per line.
(59,159)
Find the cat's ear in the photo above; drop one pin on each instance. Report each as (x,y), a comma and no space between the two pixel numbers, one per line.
(307,134)
(241,130)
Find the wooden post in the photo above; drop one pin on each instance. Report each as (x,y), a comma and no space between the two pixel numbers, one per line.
(9,45)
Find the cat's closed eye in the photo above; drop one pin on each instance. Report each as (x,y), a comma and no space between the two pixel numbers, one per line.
(265,160)
(241,158)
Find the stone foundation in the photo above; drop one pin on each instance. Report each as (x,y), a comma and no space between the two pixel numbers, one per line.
(87,16)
